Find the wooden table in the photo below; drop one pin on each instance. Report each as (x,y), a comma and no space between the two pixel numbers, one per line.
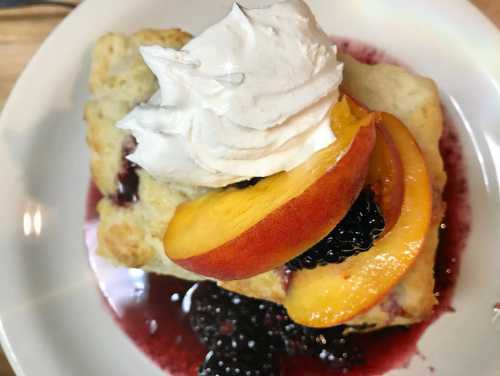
(22,32)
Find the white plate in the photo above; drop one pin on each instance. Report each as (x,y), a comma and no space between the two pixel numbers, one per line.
(53,321)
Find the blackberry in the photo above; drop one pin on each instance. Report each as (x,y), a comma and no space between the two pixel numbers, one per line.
(356,233)
(246,183)
(335,349)
(217,364)
(226,322)
(246,336)
(127,180)
(329,345)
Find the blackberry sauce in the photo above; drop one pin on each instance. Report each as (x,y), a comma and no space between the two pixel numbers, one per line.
(151,309)
(127,180)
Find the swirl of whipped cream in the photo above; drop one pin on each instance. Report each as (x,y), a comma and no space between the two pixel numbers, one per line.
(249,97)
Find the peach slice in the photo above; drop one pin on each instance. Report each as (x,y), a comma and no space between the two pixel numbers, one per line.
(335,293)
(386,177)
(385,173)
(238,233)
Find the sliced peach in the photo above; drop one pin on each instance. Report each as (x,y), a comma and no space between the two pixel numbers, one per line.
(238,233)
(386,177)
(357,108)
(385,174)
(335,293)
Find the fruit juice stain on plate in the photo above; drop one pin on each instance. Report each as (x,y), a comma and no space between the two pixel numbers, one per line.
(149,308)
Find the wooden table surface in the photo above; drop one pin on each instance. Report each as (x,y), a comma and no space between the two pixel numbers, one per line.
(22,32)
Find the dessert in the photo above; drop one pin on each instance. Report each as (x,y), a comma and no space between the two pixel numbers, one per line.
(267,171)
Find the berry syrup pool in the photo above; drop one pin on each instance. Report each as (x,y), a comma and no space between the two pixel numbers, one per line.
(152,309)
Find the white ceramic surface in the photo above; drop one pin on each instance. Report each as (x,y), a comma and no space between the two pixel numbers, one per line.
(52,320)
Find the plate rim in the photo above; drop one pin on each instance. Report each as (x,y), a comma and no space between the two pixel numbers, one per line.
(53,39)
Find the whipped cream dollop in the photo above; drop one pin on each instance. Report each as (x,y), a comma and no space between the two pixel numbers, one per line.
(249,97)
